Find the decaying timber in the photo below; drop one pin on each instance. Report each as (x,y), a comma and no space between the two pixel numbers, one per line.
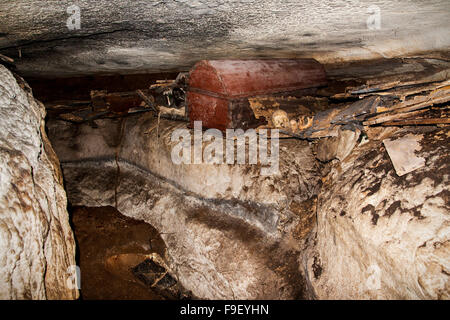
(387,100)
(148,269)
(419,105)
(165,98)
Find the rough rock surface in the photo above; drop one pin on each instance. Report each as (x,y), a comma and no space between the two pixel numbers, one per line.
(390,233)
(152,36)
(202,237)
(381,236)
(103,234)
(135,140)
(205,213)
(36,243)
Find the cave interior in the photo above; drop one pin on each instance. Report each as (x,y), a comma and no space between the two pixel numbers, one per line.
(350,201)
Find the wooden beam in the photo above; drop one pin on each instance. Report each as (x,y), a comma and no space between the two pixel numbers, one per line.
(416,122)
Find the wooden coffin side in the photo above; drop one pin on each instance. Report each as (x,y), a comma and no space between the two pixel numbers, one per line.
(243,78)
(205,78)
(212,111)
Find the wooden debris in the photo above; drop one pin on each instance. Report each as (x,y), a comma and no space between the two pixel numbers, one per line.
(149,100)
(264,106)
(414,107)
(439,96)
(358,110)
(371,104)
(6,59)
(162,83)
(173,114)
(118,102)
(322,124)
(379,133)
(71,117)
(389,117)
(418,122)
(405,91)
(393,77)
(98,99)
(104,104)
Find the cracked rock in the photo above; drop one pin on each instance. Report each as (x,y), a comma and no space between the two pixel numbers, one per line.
(380,235)
(37,248)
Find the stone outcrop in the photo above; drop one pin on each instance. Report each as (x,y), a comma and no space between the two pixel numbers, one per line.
(358,232)
(205,213)
(37,247)
(135,140)
(382,236)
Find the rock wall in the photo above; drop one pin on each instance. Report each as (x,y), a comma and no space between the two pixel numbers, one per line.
(36,242)
(135,140)
(351,229)
(205,213)
(381,236)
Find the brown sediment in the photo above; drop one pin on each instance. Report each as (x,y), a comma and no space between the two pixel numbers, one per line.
(102,233)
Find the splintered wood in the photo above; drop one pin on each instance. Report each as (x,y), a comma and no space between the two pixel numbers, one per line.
(395,103)
(165,98)
(359,97)
(410,103)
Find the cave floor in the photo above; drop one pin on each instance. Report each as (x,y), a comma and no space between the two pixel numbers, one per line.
(102,233)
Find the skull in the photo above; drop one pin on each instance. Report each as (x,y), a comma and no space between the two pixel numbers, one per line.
(280,119)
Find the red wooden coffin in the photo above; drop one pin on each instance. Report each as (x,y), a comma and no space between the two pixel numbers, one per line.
(219,89)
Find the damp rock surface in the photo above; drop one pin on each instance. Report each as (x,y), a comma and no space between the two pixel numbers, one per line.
(298,234)
(205,213)
(37,247)
(380,235)
(144,142)
(201,236)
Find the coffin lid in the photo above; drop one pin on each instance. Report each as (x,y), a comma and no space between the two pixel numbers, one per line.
(241,78)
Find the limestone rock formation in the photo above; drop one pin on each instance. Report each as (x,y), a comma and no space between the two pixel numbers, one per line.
(382,236)
(37,247)
(377,235)
(205,213)
(112,36)
(140,141)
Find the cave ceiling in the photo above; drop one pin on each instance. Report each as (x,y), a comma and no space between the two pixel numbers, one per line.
(162,36)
